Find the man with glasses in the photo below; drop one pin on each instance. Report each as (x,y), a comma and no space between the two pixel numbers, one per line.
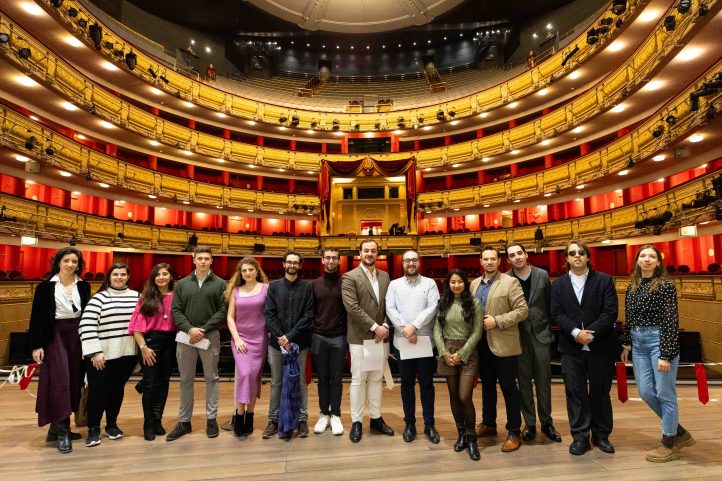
(584,304)
(504,306)
(288,313)
(364,295)
(411,303)
(536,338)
(328,342)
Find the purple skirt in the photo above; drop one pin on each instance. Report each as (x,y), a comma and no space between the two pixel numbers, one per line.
(61,374)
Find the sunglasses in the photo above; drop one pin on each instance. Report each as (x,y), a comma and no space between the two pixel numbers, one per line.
(581,253)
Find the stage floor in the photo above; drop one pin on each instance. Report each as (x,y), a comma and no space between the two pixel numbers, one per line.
(327,457)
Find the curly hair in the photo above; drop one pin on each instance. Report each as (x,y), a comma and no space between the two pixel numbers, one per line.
(447,299)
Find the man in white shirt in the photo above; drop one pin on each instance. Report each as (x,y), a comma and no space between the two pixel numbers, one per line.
(411,303)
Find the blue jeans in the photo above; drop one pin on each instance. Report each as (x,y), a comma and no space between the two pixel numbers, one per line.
(656,388)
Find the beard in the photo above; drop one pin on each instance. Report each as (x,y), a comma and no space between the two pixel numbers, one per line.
(291,271)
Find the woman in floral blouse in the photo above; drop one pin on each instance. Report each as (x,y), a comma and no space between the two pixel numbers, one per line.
(651,333)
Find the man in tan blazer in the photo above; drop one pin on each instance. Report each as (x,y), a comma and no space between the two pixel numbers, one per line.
(504,306)
(364,295)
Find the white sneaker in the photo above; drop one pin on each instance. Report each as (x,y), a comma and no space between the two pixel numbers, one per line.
(321,424)
(336,426)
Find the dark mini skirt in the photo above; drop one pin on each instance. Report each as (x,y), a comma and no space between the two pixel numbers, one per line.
(469,368)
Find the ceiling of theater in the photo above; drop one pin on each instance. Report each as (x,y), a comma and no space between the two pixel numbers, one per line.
(340,16)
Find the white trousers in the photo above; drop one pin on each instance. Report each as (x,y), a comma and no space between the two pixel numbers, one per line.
(365,385)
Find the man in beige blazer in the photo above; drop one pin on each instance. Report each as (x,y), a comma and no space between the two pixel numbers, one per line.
(364,295)
(504,306)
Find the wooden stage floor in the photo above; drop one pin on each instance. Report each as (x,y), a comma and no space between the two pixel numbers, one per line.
(326,457)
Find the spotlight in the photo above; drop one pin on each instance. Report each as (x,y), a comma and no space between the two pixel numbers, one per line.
(152,72)
(95,32)
(82,23)
(452,113)
(131,60)
(119,52)
(50,151)
(671,119)
(357,127)
(630,162)
(88,175)
(619,23)
(569,55)
(57,3)
(400,123)
(24,53)
(4,38)
(619,7)
(30,142)
(670,23)
(314,124)
(710,114)
(703,10)
(684,6)
(606,21)
(440,116)
(295,121)
(282,119)
(108,45)
(72,12)
(336,124)
(657,133)
(91,109)
(420,120)
(592,36)
(377,125)
(73,241)
(164,78)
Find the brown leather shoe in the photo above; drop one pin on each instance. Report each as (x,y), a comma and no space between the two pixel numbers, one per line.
(482,430)
(512,443)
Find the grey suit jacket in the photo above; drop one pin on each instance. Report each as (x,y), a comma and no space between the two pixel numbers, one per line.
(362,307)
(537,324)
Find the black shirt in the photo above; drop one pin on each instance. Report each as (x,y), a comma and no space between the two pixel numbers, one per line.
(288,311)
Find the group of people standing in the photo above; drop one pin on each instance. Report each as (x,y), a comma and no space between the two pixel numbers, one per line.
(496,327)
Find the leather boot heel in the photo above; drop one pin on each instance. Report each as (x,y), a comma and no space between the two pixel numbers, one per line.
(472,447)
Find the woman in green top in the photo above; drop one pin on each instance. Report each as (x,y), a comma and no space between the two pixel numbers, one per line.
(456,333)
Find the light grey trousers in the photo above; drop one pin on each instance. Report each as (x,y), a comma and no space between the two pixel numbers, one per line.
(187,357)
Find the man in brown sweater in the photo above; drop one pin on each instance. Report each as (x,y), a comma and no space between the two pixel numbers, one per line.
(328,342)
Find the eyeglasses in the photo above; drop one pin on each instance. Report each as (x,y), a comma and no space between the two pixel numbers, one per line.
(293,263)
(411,261)
(581,253)
(330,258)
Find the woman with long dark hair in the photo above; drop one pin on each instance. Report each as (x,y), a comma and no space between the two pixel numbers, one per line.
(246,298)
(152,327)
(651,334)
(456,333)
(58,303)
(109,351)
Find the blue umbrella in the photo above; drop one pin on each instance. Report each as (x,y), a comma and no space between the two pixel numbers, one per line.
(290,393)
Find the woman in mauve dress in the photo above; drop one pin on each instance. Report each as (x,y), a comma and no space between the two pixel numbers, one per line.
(246,297)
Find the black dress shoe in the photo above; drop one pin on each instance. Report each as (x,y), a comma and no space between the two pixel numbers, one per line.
(580,446)
(432,434)
(550,431)
(604,445)
(356,432)
(528,433)
(378,426)
(409,433)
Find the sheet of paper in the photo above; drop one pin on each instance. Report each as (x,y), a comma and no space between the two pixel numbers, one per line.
(422,348)
(373,355)
(183,338)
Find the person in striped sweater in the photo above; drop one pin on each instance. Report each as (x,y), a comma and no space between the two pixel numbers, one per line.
(109,351)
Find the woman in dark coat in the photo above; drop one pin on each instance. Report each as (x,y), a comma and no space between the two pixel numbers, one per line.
(57,306)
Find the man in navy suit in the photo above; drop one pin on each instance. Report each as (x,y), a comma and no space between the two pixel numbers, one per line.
(584,304)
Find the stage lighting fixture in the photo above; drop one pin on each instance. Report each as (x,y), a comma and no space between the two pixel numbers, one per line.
(24,53)
(619,7)
(152,72)
(671,119)
(336,124)
(684,6)
(569,55)
(72,12)
(452,113)
(91,109)
(606,21)
(377,125)
(95,32)
(420,120)
(440,116)
(164,78)
(314,124)
(57,3)
(592,36)
(30,142)
(670,23)
(357,127)
(703,10)
(4,37)
(119,52)
(50,151)
(82,23)
(710,114)
(657,133)
(131,60)
(619,23)
(282,119)
(295,121)
(630,163)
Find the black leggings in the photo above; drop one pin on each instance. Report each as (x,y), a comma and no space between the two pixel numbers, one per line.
(106,389)
(156,378)
(462,404)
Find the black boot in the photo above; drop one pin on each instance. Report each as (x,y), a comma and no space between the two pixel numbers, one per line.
(460,443)
(158,427)
(473,448)
(238,425)
(65,445)
(149,430)
(248,424)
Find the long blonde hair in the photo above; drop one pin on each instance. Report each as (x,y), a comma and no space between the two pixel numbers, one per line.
(659,276)
(237,279)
